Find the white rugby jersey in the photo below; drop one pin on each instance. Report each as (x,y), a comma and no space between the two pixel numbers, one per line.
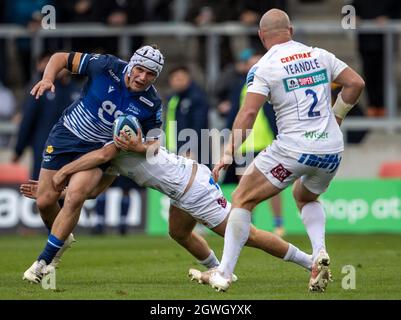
(296,80)
(165,172)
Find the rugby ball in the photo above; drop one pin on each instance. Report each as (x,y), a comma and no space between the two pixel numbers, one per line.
(126,123)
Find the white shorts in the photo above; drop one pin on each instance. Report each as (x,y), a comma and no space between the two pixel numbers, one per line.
(204,200)
(282,167)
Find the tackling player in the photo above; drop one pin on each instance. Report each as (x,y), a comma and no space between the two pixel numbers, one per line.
(195,197)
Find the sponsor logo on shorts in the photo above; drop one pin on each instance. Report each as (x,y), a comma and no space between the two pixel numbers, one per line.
(280,173)
(306,80)
(47,158)
(222,202)
(49,149)
(328,161)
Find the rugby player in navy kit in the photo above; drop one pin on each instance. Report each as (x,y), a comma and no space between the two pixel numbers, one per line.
(114,87)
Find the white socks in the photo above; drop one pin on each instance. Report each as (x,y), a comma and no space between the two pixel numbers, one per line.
(236,235)
(211,261)
(299,257)
(314,219)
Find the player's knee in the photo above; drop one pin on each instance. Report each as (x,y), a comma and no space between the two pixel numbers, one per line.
(178,235)
(74,199)
(45,202)
(240,200)
(301,199)
(237,198)
(297,196)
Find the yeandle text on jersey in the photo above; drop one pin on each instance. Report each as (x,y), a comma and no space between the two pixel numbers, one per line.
(209,309)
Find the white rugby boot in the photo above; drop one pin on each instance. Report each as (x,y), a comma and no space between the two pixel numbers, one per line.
(36,272)
(203,277)
(218,282)
(67,244)
(320,274)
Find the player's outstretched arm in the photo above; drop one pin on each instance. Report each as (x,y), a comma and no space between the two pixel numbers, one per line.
(353,85)
(30,190)
(88,161)
(135,144)
(57,62)
(243,123)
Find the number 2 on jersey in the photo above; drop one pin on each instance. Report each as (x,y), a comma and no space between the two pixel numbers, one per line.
(311,113)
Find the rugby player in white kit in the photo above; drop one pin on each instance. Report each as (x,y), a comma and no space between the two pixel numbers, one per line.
(295,79)
(195,197)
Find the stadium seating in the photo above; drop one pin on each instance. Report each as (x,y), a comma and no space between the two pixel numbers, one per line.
(391,169)
(12,173)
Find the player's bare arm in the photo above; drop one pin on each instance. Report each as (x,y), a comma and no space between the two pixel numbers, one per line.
(135,143)
(353,85)
(57,62)
(30,189)
(88,161)
(243,122)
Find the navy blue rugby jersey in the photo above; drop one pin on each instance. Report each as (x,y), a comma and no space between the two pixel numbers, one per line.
(105,97)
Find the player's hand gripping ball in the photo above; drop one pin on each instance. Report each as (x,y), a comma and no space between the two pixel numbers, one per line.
(126,123)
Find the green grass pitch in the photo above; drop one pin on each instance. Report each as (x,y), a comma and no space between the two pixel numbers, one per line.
(143,267)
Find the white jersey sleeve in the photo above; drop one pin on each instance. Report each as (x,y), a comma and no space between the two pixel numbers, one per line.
(255,83)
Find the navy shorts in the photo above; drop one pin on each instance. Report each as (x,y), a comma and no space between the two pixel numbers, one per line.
(63,147)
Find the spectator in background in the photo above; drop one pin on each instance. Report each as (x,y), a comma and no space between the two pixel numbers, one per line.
(3,53)
(263,133)
(232,76)
(248,13)
(80,11)
(205,12)
(7,111)
(159,10)
(187,108)
(40,115)
(371,49)
(119,13)
(28,14)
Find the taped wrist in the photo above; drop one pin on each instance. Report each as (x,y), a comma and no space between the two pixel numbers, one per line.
(341,108)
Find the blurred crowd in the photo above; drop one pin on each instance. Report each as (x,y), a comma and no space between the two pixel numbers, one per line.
(185,96)
(17,72)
